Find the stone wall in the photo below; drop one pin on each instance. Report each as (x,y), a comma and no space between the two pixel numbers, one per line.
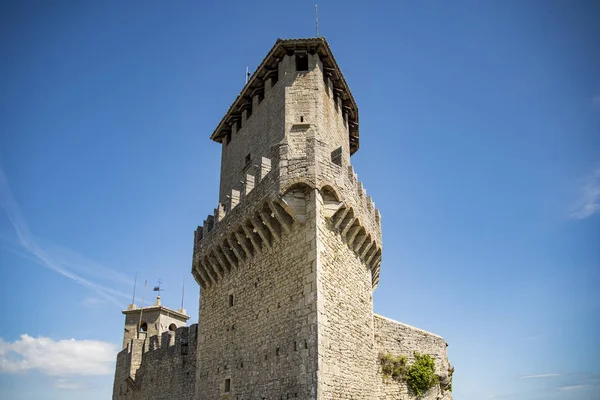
(346,364)
(263,338)
(401,339)
(158,368)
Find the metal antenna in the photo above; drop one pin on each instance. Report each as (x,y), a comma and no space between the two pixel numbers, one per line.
(182,292)
(134,284)
(317,13)
(142,310)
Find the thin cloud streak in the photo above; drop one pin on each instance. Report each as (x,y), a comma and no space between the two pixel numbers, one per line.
(45,258)
(69,385)
(589,196)
(574,387)
(539,376)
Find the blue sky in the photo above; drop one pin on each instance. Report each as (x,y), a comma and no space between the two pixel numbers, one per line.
(480,144)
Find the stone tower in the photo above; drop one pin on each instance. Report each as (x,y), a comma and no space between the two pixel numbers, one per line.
(288,261)
(151,321)
(150,335)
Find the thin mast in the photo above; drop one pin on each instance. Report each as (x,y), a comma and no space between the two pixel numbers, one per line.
(134,284)
(182,292)
(317,14)
(142,310)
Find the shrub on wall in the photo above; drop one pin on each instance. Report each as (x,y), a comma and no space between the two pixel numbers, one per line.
(393,367)
(420,376)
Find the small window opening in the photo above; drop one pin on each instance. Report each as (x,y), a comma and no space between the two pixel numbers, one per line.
(230,300)
(172,327)
(302,118)
(277,351)
(336,156)
(144,327)
(227,387)
(295,346)
(305,344)
(301,61)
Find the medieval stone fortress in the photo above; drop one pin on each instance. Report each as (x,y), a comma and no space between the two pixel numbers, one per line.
(287,263)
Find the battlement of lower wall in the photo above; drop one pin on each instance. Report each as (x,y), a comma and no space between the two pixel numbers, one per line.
(145,368)
(170,342)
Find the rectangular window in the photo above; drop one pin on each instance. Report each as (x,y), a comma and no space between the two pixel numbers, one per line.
(301,61)
(227,386)
(230,300)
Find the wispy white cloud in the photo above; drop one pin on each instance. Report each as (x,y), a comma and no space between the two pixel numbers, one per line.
(539,376)
(589,196)
(57,358)
(69,385)
(58,259)
(93,302)
(574,387)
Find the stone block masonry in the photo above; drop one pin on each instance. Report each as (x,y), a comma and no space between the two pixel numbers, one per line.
(396,338)
(149,368)
(288,260)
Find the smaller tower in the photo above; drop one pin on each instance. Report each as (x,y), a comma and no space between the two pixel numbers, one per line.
(153,320)
(155,337)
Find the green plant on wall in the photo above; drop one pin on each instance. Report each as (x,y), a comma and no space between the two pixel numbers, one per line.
(392,367)
(420,375)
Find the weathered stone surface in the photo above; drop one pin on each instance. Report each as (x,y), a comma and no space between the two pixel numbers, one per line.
(289,260)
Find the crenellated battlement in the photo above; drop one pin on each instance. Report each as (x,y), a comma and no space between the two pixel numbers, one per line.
(146,361)
(183,336)
(246,187)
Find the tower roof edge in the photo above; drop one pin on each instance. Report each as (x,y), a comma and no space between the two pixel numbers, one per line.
(160,308)
(282,47)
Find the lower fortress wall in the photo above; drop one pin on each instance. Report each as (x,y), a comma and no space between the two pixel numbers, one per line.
(158,368)
(165,369)
(400,339)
